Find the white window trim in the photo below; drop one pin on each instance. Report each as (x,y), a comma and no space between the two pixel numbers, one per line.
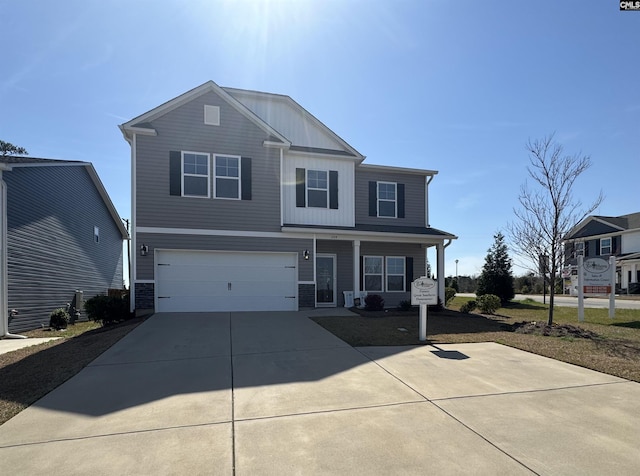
(378,199)
(610,246)
(308,188)
(365,274)
(239,177)
(579,252)
(211,115)
(183,174)
(387,274)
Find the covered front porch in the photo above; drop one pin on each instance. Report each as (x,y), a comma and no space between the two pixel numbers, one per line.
(383,264)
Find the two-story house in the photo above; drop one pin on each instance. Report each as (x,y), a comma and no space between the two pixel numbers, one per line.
(60,235)
(243,200)
(601,236)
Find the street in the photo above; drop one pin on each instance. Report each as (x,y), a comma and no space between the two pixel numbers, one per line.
(570,301)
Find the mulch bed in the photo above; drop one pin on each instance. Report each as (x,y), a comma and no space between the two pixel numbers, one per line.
(554,330)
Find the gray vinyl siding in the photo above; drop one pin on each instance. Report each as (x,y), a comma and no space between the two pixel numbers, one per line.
(223,243)
(344,252)
(183,129)
(414,190)
(594,228)
(51,214)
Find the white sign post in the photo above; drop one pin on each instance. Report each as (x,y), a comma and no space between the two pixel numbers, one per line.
(596,276)
(424,291)
(580,289)
(612,294)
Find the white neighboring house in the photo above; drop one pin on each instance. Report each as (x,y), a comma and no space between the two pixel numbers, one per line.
(603,236)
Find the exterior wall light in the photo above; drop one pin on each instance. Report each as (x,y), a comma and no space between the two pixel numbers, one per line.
(144,250)
(306,255)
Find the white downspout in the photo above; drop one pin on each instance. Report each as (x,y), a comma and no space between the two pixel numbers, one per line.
(4,289)
(427,181)
(282,190)
(356,269)
(134,222)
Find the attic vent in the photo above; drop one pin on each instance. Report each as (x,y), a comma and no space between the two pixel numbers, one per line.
(212,115)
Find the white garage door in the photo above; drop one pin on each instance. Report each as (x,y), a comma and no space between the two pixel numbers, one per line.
(201,281)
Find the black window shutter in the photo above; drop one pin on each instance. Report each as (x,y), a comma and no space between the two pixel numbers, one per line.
(361,273)
(245,177)
(300,188)
(597,248)
(333,189)
(587,244)
(614,245)
(400,190)
(408,272)
(175,172)
(373,199)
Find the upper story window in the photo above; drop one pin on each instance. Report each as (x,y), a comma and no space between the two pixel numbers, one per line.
(605,246)
(317,188)
(579,248)
(372,273)
(190,176)
(227,178)
(395,273)
(387,199)
(195,174)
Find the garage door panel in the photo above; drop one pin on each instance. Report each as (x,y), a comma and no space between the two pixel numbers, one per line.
(194,281)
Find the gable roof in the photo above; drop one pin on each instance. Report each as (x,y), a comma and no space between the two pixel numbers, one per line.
(302,129)
(26,162)
(605,224)
(140,124)
(287,124)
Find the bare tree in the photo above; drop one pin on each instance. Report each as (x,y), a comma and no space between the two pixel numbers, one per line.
(7,148)
(549,211)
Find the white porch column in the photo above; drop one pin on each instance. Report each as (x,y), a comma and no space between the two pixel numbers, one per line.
(356,268)
(440,264)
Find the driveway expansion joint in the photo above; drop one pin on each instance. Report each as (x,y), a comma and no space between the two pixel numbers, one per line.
(206,357)
(484,438)
(333,410)
(119,433)
(523,392)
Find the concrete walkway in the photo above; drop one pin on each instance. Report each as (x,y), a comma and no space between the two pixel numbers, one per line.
(9,345)
(273,393)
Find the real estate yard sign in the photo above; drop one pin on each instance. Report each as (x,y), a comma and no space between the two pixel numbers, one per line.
(424,291)
(596,276)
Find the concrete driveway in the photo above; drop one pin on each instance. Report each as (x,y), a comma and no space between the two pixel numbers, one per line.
(273,393)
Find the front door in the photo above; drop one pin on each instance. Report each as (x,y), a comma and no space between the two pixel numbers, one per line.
(326,280)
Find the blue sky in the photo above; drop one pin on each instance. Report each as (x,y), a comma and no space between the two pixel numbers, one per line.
(455,86)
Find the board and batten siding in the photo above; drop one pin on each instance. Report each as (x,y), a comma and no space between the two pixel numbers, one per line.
(183,129)
(342,216)
(51,250)
(630,242)
(290,121)
(223,243)
(414,201)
